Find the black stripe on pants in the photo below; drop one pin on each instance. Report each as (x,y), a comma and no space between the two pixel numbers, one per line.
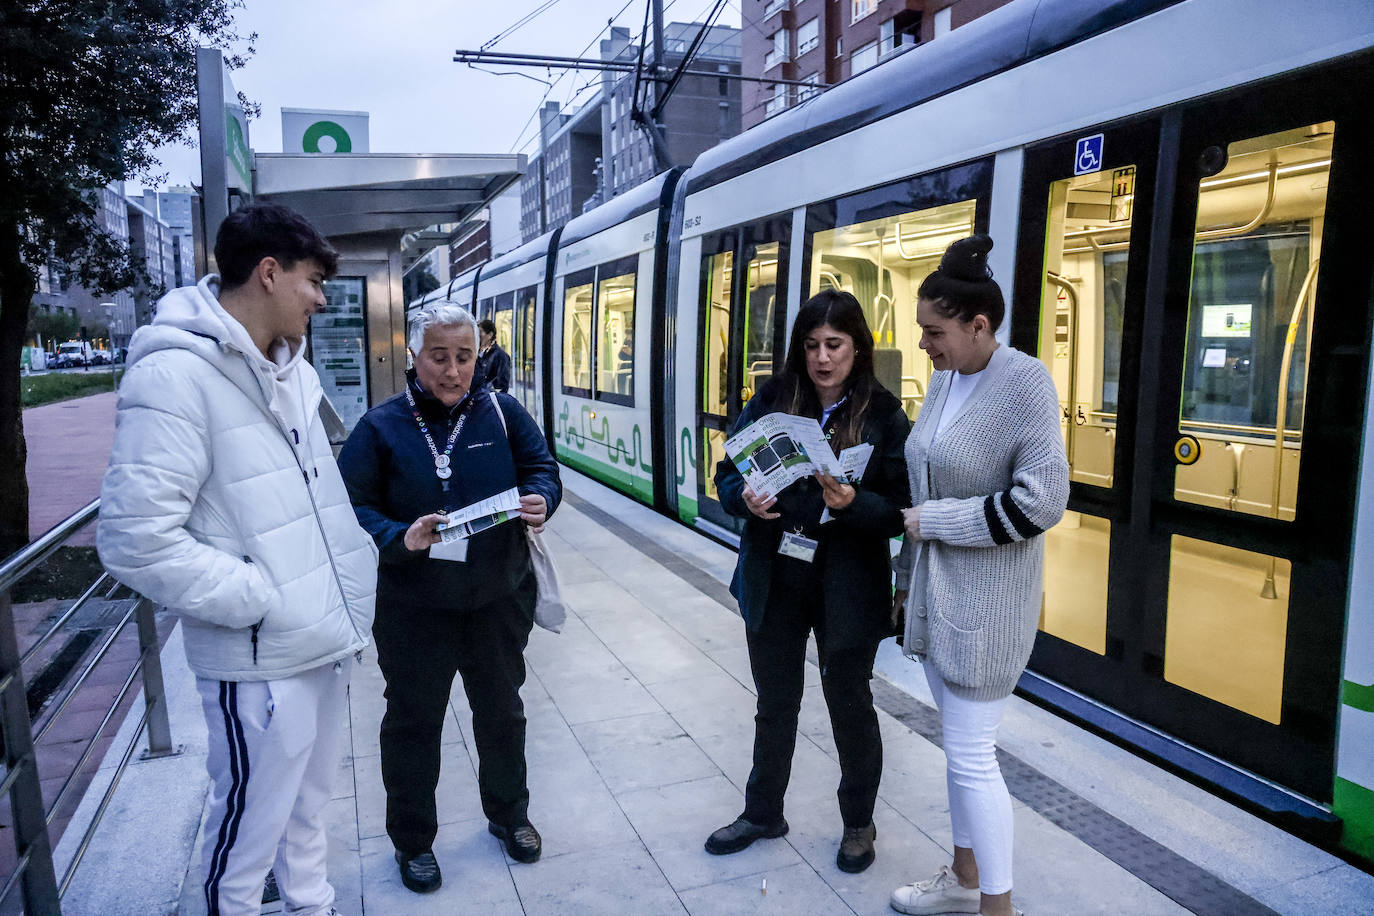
(237,797)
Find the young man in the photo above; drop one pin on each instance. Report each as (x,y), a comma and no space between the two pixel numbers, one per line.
(493,363)
(223,502)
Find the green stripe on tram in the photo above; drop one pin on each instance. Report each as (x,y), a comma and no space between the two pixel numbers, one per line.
(1359,696)
(1354,805)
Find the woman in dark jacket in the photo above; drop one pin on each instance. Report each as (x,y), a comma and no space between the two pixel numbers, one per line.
(842,593)
(438,446)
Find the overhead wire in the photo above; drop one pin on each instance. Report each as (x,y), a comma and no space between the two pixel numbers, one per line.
(520,23)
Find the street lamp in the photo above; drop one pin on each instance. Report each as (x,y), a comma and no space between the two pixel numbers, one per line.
(115,322)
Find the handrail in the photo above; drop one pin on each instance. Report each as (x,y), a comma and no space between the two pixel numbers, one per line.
(1063,284)
(34,873)
(29,558)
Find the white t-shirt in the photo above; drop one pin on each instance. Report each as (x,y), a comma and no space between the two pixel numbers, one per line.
(960,387)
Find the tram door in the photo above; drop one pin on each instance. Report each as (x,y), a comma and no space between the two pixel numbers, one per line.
(743,314)
(1198,582)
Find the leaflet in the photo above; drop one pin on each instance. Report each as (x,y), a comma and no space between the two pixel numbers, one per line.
(481,515)
(779,449)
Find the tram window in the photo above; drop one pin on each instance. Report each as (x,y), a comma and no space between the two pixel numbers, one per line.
(504,319)
(1087,244)
(524,307)
(484,308)
(882,262)
(577,332)
(717,283)
(615,340)
(760,306)
(1227,628)
(1256,256)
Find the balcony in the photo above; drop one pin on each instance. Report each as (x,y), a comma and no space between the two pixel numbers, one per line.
(775,6)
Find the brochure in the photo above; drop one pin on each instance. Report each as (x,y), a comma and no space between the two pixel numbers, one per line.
(481,515)
(779,448)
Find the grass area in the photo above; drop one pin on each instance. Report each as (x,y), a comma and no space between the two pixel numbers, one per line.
(62,386)
(66,574)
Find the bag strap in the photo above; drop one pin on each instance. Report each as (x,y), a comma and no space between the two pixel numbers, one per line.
(497,404)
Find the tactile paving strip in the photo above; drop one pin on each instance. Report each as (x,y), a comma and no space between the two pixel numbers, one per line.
(1184,882)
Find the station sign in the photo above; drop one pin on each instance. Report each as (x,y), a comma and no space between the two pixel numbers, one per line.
(322,130)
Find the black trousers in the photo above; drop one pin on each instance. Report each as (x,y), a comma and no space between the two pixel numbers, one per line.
(419,650)
(777,657)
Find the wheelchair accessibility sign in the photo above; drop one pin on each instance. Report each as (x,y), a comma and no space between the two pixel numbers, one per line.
(1087,155)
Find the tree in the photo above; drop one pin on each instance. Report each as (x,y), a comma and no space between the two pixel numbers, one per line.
(53,327)
(88,90)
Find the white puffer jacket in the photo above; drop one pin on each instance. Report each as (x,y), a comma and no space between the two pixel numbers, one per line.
(223,502)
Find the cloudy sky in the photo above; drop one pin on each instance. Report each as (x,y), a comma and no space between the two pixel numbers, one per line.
(394,60)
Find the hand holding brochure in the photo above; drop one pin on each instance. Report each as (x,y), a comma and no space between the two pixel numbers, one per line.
(778,449)
(480,516)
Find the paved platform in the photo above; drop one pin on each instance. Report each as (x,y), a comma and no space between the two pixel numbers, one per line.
(68,448)
(640,723)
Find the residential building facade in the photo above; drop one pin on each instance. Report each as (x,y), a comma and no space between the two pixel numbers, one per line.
(822,42)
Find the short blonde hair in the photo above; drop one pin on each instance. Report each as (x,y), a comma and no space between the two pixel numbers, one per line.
(438,314)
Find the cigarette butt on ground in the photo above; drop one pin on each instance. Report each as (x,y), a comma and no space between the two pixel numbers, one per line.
(764,889)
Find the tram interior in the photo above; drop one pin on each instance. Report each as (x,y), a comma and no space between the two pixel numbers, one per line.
(1256,255)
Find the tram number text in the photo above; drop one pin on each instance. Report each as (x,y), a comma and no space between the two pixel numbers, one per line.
(691,222)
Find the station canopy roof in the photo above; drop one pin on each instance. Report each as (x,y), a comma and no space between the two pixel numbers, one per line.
(357,193)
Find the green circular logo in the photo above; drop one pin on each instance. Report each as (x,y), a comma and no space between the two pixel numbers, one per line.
(311,141)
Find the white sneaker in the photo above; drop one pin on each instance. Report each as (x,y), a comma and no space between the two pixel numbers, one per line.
(939,894)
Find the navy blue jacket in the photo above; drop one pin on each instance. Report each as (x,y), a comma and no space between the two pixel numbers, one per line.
(853,554)
(493,367)
(389,472)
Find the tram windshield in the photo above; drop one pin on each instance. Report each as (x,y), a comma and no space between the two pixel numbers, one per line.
(882,262)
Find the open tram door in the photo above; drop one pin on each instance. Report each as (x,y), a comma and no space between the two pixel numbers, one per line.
(743,319)
(1204,308)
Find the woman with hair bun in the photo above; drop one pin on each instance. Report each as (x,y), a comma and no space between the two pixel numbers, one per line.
(988,476)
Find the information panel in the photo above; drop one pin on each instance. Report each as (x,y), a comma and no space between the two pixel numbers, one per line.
(338,347)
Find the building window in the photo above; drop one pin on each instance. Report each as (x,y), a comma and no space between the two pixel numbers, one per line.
(781,42)
(863,58)
(839,45)
(942,22)
(777,102)
(774,6)
(805,92)
(808,36)
(862,8)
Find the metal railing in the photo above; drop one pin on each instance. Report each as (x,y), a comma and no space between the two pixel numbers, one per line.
(34,871)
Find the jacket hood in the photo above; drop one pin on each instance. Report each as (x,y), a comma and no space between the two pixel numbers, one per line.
(191,318)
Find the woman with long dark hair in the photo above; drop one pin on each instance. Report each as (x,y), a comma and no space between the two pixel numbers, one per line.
(841,590)
(988,476)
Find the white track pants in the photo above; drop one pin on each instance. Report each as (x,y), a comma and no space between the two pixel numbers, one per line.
(273,756)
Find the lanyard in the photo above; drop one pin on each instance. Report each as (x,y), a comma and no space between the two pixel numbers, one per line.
(441,462)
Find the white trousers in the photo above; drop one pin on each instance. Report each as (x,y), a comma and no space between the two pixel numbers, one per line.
(979,804)
(273,756)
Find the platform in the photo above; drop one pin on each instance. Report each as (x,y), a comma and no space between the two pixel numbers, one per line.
(640,723)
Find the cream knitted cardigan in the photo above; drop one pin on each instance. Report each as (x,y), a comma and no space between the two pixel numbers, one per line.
(987,488)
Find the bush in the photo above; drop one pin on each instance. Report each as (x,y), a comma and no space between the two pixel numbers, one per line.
(55,386)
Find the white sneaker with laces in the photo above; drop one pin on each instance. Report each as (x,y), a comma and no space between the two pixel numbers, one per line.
(939,894)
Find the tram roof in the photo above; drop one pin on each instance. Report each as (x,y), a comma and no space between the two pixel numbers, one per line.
(1004,38)
(531,250)
(640,199)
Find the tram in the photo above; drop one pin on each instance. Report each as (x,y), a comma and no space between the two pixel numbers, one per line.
(1179,193)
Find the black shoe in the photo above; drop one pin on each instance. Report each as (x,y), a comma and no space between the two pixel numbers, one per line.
(856,849)
(522,843)
(419,873)
(740,834)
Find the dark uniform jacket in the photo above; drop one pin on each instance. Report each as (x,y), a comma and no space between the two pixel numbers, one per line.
(493,367)
(389,472)
(854,555)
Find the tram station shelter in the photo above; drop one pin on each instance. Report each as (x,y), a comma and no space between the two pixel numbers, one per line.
(363,203)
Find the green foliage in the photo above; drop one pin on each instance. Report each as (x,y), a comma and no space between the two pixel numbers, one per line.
(88,90)
(62,386)
(55,327)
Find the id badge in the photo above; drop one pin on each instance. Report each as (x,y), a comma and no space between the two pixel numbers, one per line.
(798,547)
(454,550)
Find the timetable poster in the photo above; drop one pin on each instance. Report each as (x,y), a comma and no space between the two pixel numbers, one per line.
(338,344)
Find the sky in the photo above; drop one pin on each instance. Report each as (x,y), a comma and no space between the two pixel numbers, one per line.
(394,59)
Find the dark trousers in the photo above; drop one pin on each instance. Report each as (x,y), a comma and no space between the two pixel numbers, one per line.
(419,650)
(777,657)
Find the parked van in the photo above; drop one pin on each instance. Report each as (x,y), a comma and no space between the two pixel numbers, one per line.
(74,353)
